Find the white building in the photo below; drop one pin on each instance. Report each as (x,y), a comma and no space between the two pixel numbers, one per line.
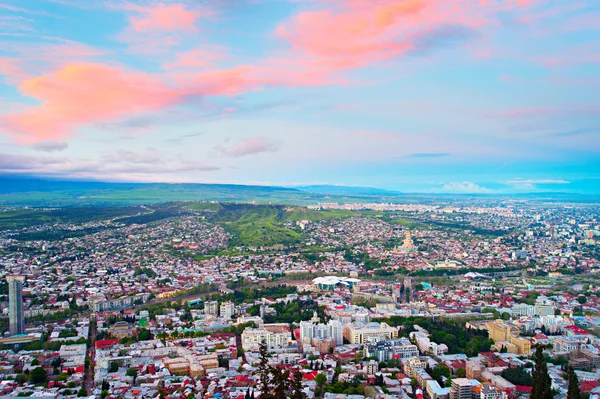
(253,337)
(227,310)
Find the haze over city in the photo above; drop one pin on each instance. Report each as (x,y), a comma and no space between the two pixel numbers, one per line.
(453,96)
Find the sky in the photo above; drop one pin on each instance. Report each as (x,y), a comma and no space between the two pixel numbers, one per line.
(452,96)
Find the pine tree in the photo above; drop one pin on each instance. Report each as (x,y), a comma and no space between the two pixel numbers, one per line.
(541,379)
(264,372)
(297,392)
(281,381)
(573,392)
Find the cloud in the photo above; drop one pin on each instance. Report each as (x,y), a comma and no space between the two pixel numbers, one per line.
(163,17)
(357,33)
(148,156)
(532,183)
(84,93)
(249,146)
(439,37)
(47,166)
(465,188)
(51,146)
(428,155)
(93,93)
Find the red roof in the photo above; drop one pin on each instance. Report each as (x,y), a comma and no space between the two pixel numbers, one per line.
(311,376)
(106,343)
(577,330)
(587,386)
(524,388)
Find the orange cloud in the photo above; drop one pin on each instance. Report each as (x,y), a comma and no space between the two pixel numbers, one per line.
(355,33)
(84,93)
(80,94)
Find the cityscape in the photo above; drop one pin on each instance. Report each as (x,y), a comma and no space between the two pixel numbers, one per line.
(344,300)
(299,199)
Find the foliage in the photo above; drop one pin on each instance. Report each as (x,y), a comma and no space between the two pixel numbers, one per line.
(573,391)
(38,376)
(460,340)
(541,380)
(293,312)
(518,376)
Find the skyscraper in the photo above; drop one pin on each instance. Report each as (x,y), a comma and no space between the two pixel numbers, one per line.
(15,303)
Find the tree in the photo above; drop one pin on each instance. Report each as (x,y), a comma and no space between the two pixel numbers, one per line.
(82,392)
(113,367)
(264,372)
(280,381)
(132,373)
(320,379)
(573,392)
(439,372)
(297,392)
(541,380)
(38,376)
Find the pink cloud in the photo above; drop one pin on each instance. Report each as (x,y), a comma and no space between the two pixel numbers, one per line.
(356,33)
(84,93)
(163,17)
(81,94)
(194,59)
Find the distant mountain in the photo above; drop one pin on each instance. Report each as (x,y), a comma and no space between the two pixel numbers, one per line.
(349,190)
(12,184)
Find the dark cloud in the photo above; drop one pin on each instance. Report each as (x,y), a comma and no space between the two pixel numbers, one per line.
(51,146)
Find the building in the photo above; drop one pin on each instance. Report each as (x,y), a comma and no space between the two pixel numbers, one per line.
(386,350)
(275,338)
(507,336)
(333,282)
(227,310)
(372,367)
(435,391)
(333,330)
(15,304)
(211,308)
(488,392)
(584,359)
(427,346)
(358,333)
(567,344)
(461,389)
(473,370)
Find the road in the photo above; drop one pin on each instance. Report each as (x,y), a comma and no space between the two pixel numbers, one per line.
(88,379)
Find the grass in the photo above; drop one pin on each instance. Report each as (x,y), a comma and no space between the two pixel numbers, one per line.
(263,225)
(203,206)
(35,217)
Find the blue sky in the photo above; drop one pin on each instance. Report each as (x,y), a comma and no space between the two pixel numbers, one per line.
(462,96)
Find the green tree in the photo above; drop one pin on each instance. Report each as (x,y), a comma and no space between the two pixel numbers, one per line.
(113,367)
(541,380)
(320,379)
(38,376)
(439,372)
(132,373)
(573,392)
(264,372)
(82,392)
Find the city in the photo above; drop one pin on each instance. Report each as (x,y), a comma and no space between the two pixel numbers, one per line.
(387,301)
(300,199)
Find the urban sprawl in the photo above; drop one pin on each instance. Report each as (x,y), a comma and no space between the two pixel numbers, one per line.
(481,300)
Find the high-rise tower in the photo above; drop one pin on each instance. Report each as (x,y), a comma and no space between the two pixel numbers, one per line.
(15,304)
